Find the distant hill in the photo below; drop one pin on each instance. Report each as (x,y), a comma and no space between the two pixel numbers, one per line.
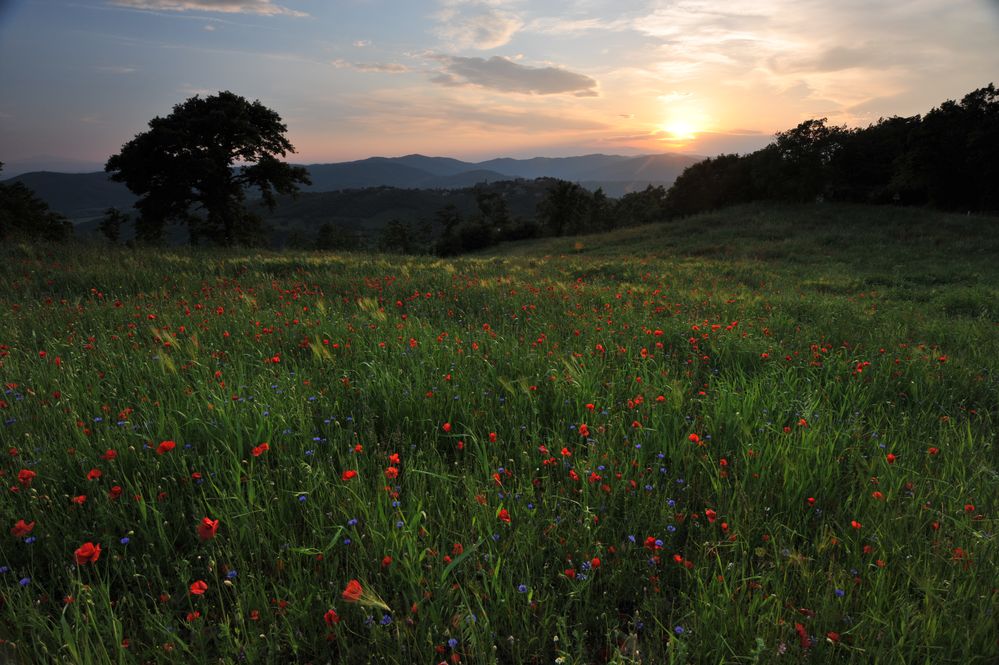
(77,195)
(82,196)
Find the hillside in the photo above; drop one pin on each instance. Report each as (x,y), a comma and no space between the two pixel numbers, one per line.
(845,249)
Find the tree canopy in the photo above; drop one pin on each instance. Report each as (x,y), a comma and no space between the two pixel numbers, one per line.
(25,216)
(184,168)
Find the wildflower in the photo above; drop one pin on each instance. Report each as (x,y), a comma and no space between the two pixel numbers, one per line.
(890,458)
(331,617)
(207,528)
(25,476)
(693,438)
(260,450)
(198,588)
(504,515)
(21,529)
(352,593)
(446,427)
(711,515)
(349,474)
(87,553)
(492,437)
(94,474)
(165,447)
(109,455)
(855,524)
(391,473)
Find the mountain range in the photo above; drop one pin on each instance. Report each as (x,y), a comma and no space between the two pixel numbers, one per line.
(81,196)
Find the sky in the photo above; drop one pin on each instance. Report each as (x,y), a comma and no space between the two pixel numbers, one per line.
(476,79)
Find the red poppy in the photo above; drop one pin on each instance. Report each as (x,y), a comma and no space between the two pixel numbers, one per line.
(584,430)
(207,528)
(711,515)
(87,553)
(165,447)
(331,617)
(855,524)
(22,529)
(391,473)
(109,455)
(492,437)
(446,427)
(348,475)
(94,474)
(25,476)
(504,515)
(260,450)
(199,587)
(353,592)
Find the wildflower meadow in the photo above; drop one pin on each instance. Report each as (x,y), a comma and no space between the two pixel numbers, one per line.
(763,435)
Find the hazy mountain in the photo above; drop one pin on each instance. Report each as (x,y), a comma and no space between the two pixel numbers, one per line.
(86,195)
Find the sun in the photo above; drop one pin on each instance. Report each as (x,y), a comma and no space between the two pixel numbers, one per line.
(680,130)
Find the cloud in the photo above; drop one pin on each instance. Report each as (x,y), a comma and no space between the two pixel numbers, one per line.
(379,67)
(117,69)
(476,24)
(566,27)
(263,7)
(498,73)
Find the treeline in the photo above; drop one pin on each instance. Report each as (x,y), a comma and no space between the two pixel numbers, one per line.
(947,159)
(499,214)
(24,215)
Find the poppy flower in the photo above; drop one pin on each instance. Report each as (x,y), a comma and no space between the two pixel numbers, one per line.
(349,474)
(94,474)
(504,515)
(198,588)
(391,473)
(260,450)
(331,617)
(22,529)
(352,593)
(855,524)
(711,515)
(165,447)
(446,427)
(87,553)
(109,455)
(207,528)
(25,476)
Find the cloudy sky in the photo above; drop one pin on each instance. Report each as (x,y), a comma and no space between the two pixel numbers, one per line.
(483,78)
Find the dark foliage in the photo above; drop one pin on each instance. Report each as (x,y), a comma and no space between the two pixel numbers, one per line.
(947,158)
(24,216)
(182,169)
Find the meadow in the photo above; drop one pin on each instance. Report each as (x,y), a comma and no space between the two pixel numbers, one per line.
(761,435)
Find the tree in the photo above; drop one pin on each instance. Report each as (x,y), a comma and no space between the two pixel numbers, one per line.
(24,215)
(565,208)
(182,168)
(110,224)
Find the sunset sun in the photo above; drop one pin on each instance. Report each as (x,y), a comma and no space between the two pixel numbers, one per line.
(680,130)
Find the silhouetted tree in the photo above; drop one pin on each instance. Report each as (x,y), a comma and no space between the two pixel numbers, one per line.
(182,168)
(24,215)
(110,224)
(565,209)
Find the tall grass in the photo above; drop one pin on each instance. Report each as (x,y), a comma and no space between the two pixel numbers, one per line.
(621,448)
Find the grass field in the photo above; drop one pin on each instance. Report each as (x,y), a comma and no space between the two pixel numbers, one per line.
(761,435)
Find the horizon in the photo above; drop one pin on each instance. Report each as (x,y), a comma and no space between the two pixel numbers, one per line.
(480,79)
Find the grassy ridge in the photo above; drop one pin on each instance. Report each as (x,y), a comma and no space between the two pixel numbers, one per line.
(758,434)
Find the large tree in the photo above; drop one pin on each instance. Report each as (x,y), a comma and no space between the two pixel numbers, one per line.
(183,168)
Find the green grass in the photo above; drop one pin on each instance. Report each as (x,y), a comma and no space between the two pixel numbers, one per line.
(801,345)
